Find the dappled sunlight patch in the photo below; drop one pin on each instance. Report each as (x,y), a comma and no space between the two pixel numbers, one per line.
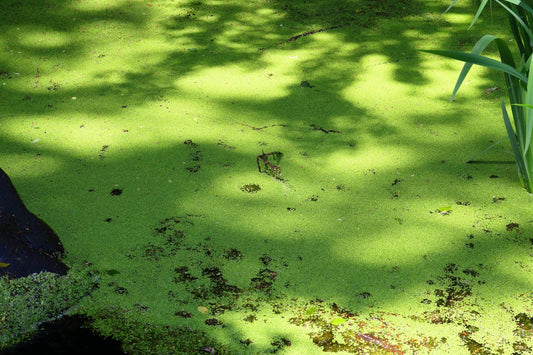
(43,38)
(376,156)
(257,183)
(231,83)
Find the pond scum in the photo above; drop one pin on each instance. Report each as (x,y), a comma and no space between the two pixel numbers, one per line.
(329,326)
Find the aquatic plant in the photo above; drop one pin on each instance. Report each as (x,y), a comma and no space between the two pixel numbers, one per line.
(517,75)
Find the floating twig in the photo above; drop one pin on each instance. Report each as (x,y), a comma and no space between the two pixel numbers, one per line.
(325,130)
(261,128)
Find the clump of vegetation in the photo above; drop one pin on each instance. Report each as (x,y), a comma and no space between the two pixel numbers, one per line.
(517,78)
(268,163)
(28,302)
(138,337)
(250,188)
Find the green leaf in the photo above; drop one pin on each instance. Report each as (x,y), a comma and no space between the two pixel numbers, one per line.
(481,60)
(523,105)
(485,150)
(518,19)
(338,321)
(478,48)
(4,264)
(479,11)
(112,272)
(516,149)
(521,4)
(451,5)
(311,310)
(529,112)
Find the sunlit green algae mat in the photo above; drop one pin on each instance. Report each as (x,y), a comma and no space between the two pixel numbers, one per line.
(253,177)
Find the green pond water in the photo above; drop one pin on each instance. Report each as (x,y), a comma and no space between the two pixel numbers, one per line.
(222,184)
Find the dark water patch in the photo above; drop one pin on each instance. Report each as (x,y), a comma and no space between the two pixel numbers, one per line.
(462,203)
(111,272)
(264,280)
(139,307)
(154,252)
(524,324)
(68,335)
(396,182)
(119,290)
(224,145)
(190,143)
(221,308)
(250,318)
(145,338)
(183,314)
(54,86)
(512,227)
(182,274)
(193,169)
(101,155)
(473,346)
(169,237)
(213,322)
(279,344)
(220,285)
(116,192)
(246,342)
(456,289)
(250,188)
(453,292)
(364,295)
(265,259)
(27,244)
(196,156)
(212,286)
(233,254)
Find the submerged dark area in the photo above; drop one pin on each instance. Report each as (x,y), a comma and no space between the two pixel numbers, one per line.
(68,335)
(27,244)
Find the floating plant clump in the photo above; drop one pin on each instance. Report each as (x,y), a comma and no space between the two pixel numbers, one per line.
(268,163)
(250,188)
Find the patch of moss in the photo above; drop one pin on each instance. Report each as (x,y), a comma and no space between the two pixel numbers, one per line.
(139,337)
(28,302)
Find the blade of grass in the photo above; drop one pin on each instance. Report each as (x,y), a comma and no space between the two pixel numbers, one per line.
(529,112)
(481,60)
(518,19)
(516,149)
(479,47)
(451,5)
(521,4)
(485,150)
(516,33)
(479,11)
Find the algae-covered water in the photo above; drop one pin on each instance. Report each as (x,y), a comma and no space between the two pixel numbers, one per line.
(266,176)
